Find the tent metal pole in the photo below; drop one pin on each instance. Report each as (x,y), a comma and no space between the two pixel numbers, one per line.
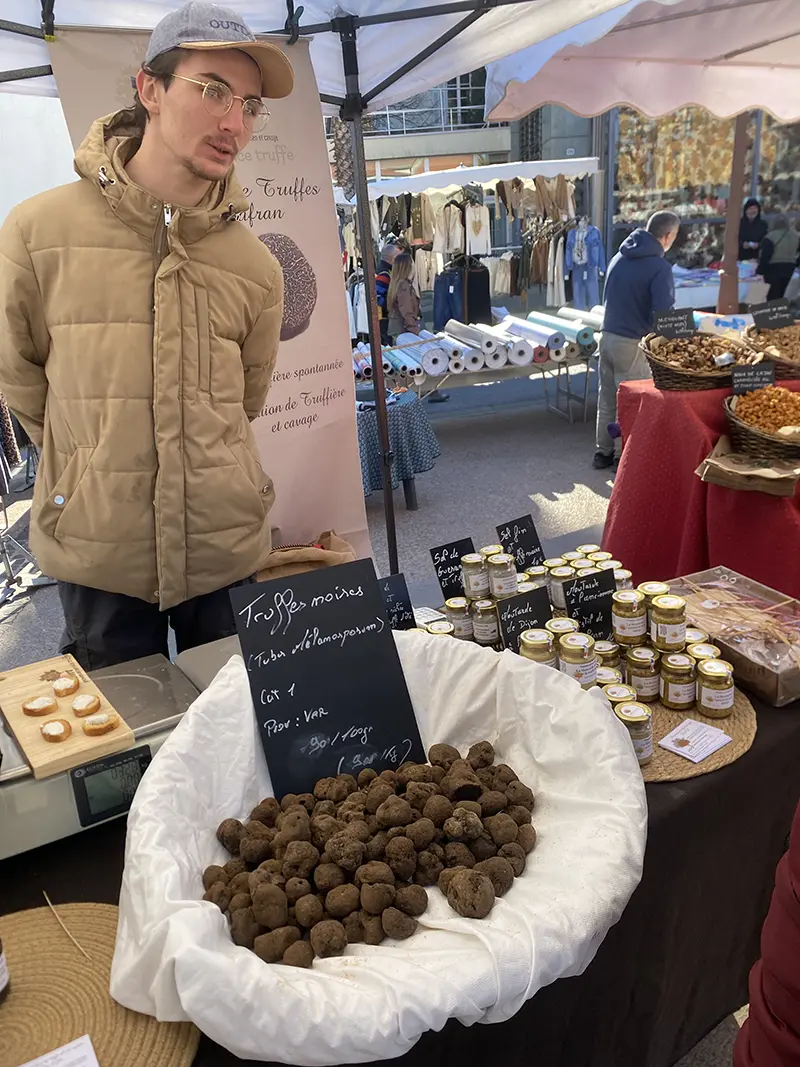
(352,112)
(612,135)
(21,28)
(756,153)
(360,21)
(25,72)
(728,299)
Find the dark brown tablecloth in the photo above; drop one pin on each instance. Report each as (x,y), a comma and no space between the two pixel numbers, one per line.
(672,968)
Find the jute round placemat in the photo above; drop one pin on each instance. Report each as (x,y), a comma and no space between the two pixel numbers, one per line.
(58,995)
(665,766)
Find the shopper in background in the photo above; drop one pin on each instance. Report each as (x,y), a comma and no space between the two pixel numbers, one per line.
(778,257)
(770,1037)
(638,283)
(402,302)
(383,277)
(752,230)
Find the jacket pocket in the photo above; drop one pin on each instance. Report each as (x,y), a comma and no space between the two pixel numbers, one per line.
(203,341)
(254,474)
(63,494)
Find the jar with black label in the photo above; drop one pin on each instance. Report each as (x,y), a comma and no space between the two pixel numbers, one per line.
(502,575)
(677,688)
(639,721)
(474,576)
(628,618)
(623,578)
(5,980)
(559,576)
(539,646)
(491,550)
(668,623)
(643,673)
(458,613)
(715,690)
(441,628)
(577,659)
(607,653)
(485,622)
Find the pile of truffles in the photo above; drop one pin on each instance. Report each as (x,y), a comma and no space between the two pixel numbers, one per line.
(783,342)
(349,862)
(698,351)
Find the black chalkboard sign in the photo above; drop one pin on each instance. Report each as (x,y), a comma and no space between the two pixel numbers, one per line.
(520,539)
(397,601)
(525,611)
(447,564)
(677,322)
(772,315)
(589,603)
(753,376)
(328,689)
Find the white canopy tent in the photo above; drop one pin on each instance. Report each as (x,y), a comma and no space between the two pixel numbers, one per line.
(657,55)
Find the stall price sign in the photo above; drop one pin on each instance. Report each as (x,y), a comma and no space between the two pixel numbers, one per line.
(447,564)
(589,603)
(526,611)
(520,539)
(328,689)
(772,315)
(397,602)
(753,376)
(677,322)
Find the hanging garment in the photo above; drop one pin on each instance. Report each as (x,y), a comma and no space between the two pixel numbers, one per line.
(375,220)
(428,219)
(360,308)
(558,275)
(351,318)
(550,299)
(592,248)
(8,439)
(448,298)
(349,238)
(478,230)
(514,192)
(502,278)
(449,235)
(585,287)
(426,266)
(492,264)
(416,220)
(502,193)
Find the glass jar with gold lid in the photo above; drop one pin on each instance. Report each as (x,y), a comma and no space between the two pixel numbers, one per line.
(502,575)
(608,675)
(650,591)
(628,617)
(607,653)
(623,578)
(570,557)
(609,565)
(539,646)
(715,689)
(668,623)
(554,561)
(677,687)
(582,564)
(441,628)
(577,659)
(702,651)
(485,622)
(598,557)
(619,693)
(587,549)
(559,627)
(559,576)
(537,575)
(639,721)
(458,612)
(695,636)
(491,550)
(474,576)
(643,672)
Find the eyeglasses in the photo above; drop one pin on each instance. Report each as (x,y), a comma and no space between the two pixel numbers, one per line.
(218,100)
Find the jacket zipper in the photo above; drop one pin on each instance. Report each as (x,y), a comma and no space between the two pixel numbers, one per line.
(160,251)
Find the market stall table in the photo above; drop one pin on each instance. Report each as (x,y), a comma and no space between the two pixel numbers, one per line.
(413,443)
(663,521)
(674,966)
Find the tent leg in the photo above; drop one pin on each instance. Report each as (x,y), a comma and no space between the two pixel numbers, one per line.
(728,300)
(353,113)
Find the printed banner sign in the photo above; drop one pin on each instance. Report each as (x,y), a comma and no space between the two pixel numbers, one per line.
(306,434)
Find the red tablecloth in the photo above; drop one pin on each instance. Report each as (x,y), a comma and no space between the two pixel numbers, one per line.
(663,521)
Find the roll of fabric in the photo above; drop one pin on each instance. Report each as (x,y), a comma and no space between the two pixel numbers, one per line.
(366,368)
(357,371)
(456,348)
(589,350)
(470,335)
(598,309)
(417,353)
(473,359)
(518,349)
(455,366)
(497,359)
(541,354)
(572,350)
(588,318)
(577,332)
(558,355)
(537,335)
(398,362)
(435,361)
(411,358)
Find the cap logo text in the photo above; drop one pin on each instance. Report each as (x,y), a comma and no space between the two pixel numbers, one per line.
(228,24)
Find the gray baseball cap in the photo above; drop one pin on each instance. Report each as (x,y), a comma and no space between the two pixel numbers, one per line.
(197,26)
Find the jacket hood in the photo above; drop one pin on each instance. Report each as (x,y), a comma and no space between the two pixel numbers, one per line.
(751,202)
(639,244)
(101,158)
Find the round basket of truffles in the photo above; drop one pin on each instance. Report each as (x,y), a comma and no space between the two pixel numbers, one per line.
(307,924)
(701,361)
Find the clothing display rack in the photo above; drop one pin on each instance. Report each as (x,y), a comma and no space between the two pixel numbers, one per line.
(19,568)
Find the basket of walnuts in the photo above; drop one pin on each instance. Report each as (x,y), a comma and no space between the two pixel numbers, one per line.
(765,423)
(782,346)
(702,361)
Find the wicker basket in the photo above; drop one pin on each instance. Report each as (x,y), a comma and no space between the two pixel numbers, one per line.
(670,378)
(785,369)
(757,443)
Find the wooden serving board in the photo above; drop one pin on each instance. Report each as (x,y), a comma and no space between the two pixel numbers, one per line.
(48,757)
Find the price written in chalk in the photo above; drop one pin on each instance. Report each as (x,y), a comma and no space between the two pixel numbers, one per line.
(327,685)
(520,539)
(589,603)
(447,564)
(677,322)
(772,315)
(397,601)
(753,376)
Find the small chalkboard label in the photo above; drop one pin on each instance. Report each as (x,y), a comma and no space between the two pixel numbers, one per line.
(772,315)
(328,688)
(753,376)
(398,602)
(589,603)
(520,539)
(677,322)
(525,611)
(447,564)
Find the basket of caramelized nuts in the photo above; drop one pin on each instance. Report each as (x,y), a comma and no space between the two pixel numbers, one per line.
(702,361)
(765,423)
(782,346)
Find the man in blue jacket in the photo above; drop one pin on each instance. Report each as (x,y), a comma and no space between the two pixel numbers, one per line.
(638,283)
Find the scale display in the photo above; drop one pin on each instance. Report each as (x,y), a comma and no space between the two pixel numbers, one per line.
(105,789)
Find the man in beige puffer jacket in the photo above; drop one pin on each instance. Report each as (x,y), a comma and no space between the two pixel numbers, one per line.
(139,325)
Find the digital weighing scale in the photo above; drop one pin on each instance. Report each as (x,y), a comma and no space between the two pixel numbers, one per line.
(151,695)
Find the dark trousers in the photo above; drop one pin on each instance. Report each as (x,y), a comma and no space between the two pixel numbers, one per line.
(778,275)
(103,629)
(448,298)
